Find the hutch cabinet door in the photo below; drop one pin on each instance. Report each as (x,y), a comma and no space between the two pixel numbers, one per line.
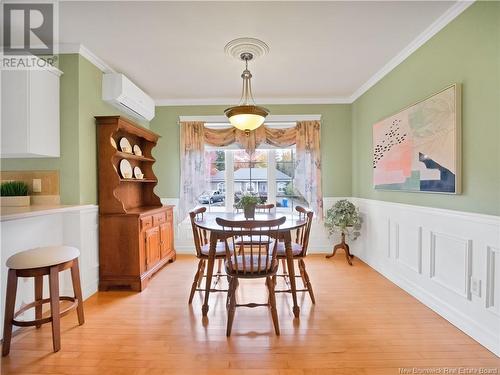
(165,239)
(152,247)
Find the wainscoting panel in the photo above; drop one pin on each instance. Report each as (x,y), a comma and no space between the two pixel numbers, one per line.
(81,229)
(449,260)
(450,263)
(493,280)
(408,246)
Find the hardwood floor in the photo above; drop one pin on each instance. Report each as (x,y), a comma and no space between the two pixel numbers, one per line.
(361,324)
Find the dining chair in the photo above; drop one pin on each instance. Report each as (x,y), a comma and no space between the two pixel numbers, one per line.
(251,260)
(202,246)
(260,208)
(299,251)
(264,208)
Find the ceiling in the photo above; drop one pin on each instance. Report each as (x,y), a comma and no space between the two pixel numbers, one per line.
(319,51)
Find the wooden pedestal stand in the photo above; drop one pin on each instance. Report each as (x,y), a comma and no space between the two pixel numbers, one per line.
(345,247)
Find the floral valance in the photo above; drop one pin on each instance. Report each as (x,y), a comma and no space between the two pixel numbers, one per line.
(276,137)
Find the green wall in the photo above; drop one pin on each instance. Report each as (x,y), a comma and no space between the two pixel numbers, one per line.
(67,164)
(335,141)
(80,101)
(91,104)
(466,51)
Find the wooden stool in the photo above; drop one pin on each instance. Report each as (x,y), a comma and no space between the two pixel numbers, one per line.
(37,263)
(342,245)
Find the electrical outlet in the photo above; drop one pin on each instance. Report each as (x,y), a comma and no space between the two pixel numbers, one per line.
(37,185)
(475,286)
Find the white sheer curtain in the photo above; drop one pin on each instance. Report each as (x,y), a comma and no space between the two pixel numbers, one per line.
(194,179)
(307,177)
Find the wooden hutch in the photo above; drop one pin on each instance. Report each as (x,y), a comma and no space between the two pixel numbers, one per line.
(135,230)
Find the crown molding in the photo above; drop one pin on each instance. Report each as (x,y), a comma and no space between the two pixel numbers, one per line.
(453,12)
(67,48)
(262,101)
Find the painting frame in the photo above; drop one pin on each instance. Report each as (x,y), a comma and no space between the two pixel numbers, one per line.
(455,146)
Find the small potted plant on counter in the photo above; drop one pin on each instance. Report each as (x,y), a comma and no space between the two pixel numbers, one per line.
(14,194)
(248,203)
(343,217)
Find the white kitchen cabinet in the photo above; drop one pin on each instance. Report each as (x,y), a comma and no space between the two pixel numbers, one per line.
(30,113)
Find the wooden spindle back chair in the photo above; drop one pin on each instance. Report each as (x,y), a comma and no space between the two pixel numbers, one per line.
(260,208)
(264,208)
(299,251)
(200,235)
(302,233)
(202,246)
(251,260)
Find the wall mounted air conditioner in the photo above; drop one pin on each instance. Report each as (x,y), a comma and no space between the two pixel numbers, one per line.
(121,92)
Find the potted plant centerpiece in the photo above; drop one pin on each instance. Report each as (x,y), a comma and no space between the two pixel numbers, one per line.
(14,194)
(343,217)
(248,203)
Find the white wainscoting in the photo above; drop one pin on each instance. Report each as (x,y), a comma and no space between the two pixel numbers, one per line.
(438,256)
(76,226)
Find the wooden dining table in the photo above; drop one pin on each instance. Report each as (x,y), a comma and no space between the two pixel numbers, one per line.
(207,222)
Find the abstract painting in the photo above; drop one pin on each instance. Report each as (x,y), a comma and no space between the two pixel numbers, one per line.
(418,149)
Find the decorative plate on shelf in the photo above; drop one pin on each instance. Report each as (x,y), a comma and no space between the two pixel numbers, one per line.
(137,150)
(113,142)
(125,169)
(125,145)
(138,173)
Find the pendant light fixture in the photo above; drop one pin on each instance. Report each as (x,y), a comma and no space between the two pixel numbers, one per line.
(246,116)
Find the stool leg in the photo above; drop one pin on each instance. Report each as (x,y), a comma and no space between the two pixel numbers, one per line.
(10,304)
(54,308)
(38,297)
(77,288)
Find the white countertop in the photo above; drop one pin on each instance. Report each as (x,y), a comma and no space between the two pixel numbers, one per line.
(14,213)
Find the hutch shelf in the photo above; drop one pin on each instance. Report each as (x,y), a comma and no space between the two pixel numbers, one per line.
(135,229)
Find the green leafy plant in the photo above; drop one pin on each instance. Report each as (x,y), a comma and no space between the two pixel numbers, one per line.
(14,189)
(289,190)
(248,200)
(343,217)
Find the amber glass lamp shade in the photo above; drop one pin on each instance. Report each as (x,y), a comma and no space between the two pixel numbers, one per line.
(246,117)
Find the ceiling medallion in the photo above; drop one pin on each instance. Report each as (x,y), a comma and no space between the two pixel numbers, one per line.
(253,46)
(246,116)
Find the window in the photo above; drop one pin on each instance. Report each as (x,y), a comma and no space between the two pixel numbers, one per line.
(216,167)
(250,174)
(287,196)
(267,173)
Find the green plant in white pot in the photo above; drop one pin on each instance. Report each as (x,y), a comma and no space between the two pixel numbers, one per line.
(14,194)
(248,203)
(343,217)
